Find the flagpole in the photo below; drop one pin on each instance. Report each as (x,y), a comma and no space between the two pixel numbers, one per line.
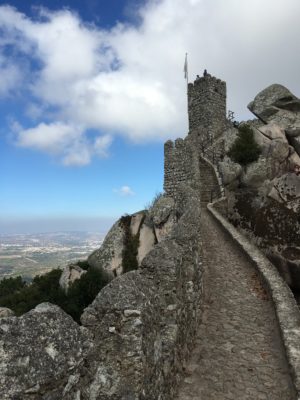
(186,75)
(186,70)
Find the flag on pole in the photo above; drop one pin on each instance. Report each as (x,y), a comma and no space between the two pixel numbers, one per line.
(185,68)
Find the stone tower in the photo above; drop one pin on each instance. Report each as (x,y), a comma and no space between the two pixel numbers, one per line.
(207,121)
(207,108)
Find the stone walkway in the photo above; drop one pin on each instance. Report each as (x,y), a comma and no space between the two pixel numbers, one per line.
(239,354)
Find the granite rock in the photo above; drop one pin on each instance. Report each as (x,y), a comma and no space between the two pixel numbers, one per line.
(43,348)
(69,275)
(278,105)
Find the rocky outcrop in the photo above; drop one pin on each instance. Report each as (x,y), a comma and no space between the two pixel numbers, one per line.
(147,240)
(286,190)
(41,354)
(230,172)
(150,226)
(264,196)
(144,322)
(109,255)
(278,105)
(162,213)
(69,275)
(136,221)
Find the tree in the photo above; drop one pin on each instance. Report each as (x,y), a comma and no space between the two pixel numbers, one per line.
(244,150)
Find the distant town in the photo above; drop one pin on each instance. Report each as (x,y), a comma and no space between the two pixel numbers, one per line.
(32,254)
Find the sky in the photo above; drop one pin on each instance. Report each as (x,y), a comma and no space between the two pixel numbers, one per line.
(90,90)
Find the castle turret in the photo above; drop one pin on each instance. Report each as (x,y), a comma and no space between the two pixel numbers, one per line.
(207,107)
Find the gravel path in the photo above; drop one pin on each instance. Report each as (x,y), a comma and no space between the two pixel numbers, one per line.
(239,354)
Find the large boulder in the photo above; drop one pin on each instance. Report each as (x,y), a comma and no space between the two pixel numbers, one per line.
(136,221)
(230,171)
(39,352)
(273,131)
(147,240)
(163,215)
(278,105)
(150,226)
(109,255)
(69,275)
(286,190)
(262,140)
(258,172)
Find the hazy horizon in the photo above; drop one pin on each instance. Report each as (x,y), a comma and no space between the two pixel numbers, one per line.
(37,225)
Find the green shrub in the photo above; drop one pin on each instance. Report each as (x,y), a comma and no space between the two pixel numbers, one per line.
(83,264)
(156,197)
(45,288)
(83,291)
(244,150)
(11,285)
(131,245)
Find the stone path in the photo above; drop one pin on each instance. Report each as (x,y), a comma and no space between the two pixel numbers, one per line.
(239,354)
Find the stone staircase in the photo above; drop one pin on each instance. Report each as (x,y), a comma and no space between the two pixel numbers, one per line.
(209,186)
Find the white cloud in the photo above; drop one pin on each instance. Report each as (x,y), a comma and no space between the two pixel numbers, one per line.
(50,137)
(64,140)
(10,76)
(102,144)
(129,80)
(124,191)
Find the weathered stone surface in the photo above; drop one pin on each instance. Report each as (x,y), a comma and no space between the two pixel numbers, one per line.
(295,142)
(207,106)
(6,312)
(230,171)
(278,105)
(262,140)
(69,275)
(273,131)
(39,352)
(289,269)
(294,159)
(109,255)
(136,220)
(286,190)
(147,241)
(257,172)
(163,216)
(278,151)
(292,131)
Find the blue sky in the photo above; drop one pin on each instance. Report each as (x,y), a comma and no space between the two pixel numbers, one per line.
(90,90)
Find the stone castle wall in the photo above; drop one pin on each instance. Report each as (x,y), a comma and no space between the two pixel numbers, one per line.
(178,165)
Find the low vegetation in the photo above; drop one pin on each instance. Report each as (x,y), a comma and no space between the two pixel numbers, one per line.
(244,150)
(22,297)
(156,197)
(131,245)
